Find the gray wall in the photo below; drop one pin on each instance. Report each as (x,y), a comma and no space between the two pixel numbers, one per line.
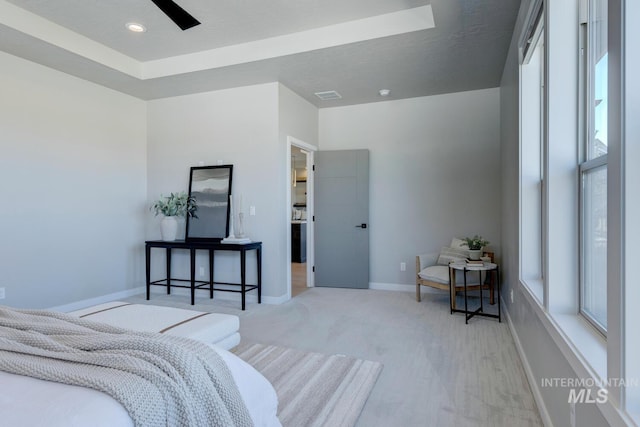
(297,117)
(73,185)
(434,173)
(235,126)
(246,127)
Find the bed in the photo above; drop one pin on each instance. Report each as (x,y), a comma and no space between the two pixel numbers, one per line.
(26,401)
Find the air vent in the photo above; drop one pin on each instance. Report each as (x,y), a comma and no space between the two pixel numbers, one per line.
(328,95)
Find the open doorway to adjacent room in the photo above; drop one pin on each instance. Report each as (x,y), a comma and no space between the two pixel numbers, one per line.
(300,205)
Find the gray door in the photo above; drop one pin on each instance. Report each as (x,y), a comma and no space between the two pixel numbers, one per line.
(342,218)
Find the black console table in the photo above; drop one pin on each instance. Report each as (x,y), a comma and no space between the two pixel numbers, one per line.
(212,247)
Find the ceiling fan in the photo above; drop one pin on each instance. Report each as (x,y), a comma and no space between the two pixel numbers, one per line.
(181,17)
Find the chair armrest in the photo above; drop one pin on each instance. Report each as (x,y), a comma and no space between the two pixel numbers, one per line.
(425,260)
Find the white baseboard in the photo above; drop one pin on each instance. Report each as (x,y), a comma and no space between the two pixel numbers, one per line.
(391,287)
(400,287)
(98,300)
(225,296)
(535,390)
(275,300)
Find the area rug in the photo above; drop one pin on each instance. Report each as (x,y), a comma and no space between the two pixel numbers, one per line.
(314,389)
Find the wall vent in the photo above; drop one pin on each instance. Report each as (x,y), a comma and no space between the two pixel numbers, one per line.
(328,95)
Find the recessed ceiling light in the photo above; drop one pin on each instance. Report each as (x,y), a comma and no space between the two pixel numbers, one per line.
(135,27)
(384,92)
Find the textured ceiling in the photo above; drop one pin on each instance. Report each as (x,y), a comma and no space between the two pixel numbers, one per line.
(224,22)
(465,50)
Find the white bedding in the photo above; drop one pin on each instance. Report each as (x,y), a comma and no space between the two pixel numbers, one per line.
(26,401)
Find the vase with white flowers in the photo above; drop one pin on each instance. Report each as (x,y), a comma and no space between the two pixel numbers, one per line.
(475,244)
(173,206)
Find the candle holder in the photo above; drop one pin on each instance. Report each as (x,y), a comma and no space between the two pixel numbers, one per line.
(236,230)
(240,228)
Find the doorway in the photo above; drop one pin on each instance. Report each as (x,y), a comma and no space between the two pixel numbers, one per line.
(300,216)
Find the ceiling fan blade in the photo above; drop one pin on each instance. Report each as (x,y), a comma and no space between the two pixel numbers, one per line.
(181,17)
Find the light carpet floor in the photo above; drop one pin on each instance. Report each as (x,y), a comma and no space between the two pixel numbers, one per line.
(315,390)
(437,370)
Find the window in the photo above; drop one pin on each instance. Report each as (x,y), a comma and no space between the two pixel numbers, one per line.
(590,198)
(593,168)
(532,127)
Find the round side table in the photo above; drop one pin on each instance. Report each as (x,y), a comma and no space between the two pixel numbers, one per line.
(488,267)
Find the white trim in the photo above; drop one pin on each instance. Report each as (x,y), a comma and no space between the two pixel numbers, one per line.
(628,111)
(531,125)
(580,365)
(561,232)
(359,30)
(533,384)
(370,28)
(402,287)
(311,149)
(534,287)
(301,144)
(531,29)
(374,27)
(287,218)
(225,296)
(274,300)
(53,34)
(397,287)
(221,295)
(98,300)
(570,351)
(623,202)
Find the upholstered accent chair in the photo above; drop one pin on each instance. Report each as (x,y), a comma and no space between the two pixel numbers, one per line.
(433,270)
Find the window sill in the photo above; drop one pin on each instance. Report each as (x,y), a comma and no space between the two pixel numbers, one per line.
(590,347)
(585,349)
(581,344)
(535,288)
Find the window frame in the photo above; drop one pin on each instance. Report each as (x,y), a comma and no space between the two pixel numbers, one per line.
(587,164)
(532,39)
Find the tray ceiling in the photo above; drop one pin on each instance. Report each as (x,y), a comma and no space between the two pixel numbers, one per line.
(412,47)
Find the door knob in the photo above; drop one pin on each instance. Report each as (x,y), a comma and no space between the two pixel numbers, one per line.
(361,226)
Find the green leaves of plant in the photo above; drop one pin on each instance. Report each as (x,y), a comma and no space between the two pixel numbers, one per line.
(176,204)
(476,242)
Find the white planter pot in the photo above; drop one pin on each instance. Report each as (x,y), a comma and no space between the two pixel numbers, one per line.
(474,254)
(169,228)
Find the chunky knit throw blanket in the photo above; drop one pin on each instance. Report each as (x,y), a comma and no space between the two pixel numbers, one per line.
(161,380)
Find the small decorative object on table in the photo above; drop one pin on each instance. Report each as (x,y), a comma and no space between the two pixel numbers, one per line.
(475,244)
(232,238)
(172,206)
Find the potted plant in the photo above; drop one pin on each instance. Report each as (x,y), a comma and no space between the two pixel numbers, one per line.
(173,206)
(475,244)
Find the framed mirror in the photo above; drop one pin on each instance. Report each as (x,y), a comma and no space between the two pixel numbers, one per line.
(210,186)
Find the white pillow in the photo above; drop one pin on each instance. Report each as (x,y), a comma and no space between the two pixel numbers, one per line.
(458,244)
(435,273)
(440,274)
(448,254)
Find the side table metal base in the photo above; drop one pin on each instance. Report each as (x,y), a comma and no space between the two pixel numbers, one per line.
(492,268)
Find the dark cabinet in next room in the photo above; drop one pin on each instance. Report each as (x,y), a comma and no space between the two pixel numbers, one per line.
(299,242)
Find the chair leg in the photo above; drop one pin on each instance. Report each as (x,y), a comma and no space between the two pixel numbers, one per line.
(452,287)
(418,292)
